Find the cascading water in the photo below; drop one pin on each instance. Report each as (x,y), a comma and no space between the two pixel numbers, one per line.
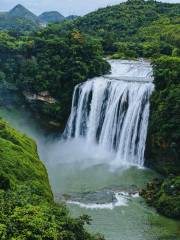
(112,111)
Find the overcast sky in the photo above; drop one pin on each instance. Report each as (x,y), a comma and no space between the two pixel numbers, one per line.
(65,7)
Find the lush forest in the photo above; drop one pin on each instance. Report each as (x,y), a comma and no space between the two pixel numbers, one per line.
(133,29)
(48,64)
(53,63)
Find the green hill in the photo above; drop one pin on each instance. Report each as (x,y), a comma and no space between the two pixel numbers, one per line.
(130,22)
(20,11)
(18,20)
(51,17)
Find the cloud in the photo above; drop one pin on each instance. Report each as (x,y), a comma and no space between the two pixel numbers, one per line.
(67,7)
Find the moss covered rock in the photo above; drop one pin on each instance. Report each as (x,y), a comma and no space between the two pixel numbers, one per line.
(20,164)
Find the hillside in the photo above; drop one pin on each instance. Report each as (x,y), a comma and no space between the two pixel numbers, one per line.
(50,64)
(16,24)
(20,11)
(20,20)
(17,149)
(116,25)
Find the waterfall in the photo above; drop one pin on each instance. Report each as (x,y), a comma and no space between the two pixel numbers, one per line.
(112,111)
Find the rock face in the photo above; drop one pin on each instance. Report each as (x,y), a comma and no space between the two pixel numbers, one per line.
(42,96)
(20,164)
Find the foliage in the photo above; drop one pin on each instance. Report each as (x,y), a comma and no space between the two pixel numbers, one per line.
(24,215)
(51,62)
(135,28)
(165,196)
(20,163)
(164,130)
(16,25)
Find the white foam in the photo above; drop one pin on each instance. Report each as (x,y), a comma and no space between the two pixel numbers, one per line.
(121,199)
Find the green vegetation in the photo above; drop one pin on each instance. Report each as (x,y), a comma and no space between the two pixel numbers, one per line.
(26,201)
(164,195)
(16,25)
(20,163)
(163,153)
(133,29)
(18,20)
(162,150)
(50,62)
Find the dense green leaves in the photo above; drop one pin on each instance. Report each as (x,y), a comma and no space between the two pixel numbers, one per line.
(20,164)
(165,196)
(164,128)
(26,216)
(142,28)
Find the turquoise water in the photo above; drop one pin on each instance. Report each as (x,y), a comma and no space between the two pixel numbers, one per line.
(90,185)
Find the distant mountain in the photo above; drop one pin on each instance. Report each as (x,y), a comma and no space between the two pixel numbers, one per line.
(20,19)
(72,17)
(51,17)
(20,11)
(3,13)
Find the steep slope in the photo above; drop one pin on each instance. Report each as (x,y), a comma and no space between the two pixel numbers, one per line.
(18,20)
(121,23)
(20,164)
(17,25)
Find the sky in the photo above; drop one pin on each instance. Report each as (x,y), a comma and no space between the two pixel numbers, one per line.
(65,7)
